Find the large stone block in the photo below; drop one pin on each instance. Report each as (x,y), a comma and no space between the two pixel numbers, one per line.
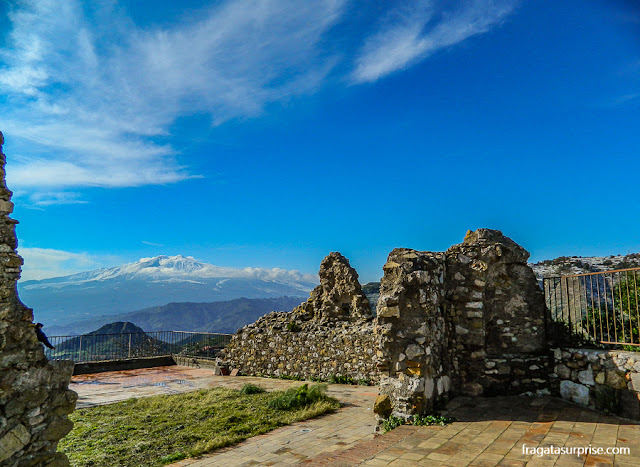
(13,441)
(382,405)
(575,392)
(586,377)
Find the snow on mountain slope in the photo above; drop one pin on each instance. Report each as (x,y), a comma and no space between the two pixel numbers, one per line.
(176,268)
(153,282)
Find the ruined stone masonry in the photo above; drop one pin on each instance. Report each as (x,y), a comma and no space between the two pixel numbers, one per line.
(34,395)
(331,334)
(606,380)
(467,321)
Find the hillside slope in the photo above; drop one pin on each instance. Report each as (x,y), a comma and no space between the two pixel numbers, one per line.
(223,317)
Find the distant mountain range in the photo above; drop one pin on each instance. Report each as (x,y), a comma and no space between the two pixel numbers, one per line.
(223,317)
(152,282)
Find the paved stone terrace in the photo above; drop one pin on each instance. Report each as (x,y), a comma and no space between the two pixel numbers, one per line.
(489,432)
(492,431)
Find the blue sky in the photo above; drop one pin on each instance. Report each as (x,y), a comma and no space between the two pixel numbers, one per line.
(269,133)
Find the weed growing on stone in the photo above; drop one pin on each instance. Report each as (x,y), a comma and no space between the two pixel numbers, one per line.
(340,379)
(334,379)
(417,420)
(428,420)
(163,429)
(391,423)
(288,377)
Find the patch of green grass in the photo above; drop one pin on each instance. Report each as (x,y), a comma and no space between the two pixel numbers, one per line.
(251,389)
(287,377)
(333,379)
(163,429)
(299,397)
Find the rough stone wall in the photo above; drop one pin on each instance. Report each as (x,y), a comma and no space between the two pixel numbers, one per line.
(602,379)
(331,334)
(34,394)
(496,310)
(469,320)
(412,356)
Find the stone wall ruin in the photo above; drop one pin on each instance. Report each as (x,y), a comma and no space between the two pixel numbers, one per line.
(607,380)
(467,321)
(330,335)
(34,394)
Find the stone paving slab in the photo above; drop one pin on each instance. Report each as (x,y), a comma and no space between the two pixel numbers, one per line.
(115,386)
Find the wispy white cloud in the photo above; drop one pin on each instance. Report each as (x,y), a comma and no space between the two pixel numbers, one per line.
(417,29)
(151,243)
(92,96)
(56,197)
(43,263)
(97,95)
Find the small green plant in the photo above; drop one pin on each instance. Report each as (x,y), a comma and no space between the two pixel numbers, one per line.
(299,397)
(427,420)
(291,377)
(391,423)
(341,379)
(293,327)
(251,389)
(417,420)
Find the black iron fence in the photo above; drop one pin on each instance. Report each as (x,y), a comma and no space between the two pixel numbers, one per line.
(101,347)
(600,307)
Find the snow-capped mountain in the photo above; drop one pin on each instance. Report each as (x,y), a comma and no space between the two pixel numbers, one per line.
(153,282)
(175,268)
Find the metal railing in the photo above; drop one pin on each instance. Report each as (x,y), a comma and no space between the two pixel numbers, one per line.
(102,347)
(598,307)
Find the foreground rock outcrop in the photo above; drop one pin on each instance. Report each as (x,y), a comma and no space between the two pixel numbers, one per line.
(331,334)
(34,394)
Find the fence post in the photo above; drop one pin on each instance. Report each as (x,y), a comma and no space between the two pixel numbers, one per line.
(80,349)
